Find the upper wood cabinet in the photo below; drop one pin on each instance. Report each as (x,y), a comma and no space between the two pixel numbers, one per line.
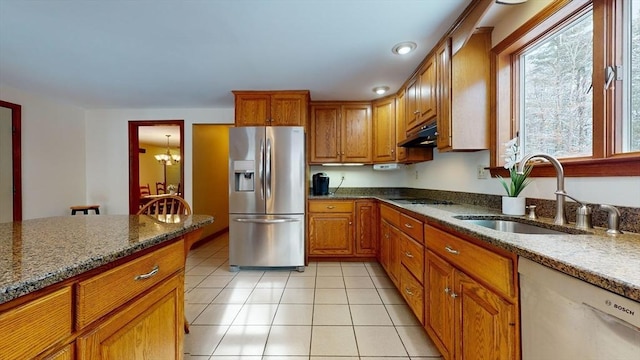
(384,130)
(407,155)
(421,96)
(340,132)
(463,94)
(271,108)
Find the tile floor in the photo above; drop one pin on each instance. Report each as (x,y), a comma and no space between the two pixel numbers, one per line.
(333,310)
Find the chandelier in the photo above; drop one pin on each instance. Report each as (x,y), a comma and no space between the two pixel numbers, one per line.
(167,158)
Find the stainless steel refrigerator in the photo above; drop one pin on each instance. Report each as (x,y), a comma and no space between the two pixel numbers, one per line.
(266,197)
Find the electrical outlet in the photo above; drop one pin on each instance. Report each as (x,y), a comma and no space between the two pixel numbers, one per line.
(482,172)
(342,176)
(417,175)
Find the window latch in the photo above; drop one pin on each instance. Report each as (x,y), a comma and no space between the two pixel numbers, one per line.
(612,73)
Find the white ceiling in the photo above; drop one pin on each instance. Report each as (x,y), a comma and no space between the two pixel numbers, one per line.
(192,53)
(157,135)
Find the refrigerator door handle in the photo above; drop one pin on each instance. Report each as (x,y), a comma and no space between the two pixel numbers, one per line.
(267,169)
(261,169)
(266,221)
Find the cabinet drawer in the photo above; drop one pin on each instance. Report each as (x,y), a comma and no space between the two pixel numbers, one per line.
(412,256)
(331,206)
(412,227)
(391,215)
(103,293)
(486,266)
(413,292)
(33,327)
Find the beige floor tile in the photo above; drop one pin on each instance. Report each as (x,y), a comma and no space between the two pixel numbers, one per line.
(256,314)
(195,357)
(331,296)
(294,314)
(201,295)
(416,341)
(251,273)
(329,282)
(310,271)
(329,271)
(363,296)
(370,315)
(243,340)
(352,264)
(279,357)
(298,296)
(328,263)
(202,340)
(288,340)
(273,282)
(358,282)
(218,314)
(333,341)
(376,271)
(384,358)
(191,281)
(354,271)
(265,296)
(331,315)
(216,281)
(303,282)
(382,282)
(379,341)
(201,270)
(235,357)
(223,270)
(246,282)
(391,296)
(401,315)
(232,296)
(335,358)
(191,311)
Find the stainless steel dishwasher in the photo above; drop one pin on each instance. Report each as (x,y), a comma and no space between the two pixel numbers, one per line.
(566,318)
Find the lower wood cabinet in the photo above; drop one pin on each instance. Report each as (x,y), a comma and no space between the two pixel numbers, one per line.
(366,227)
(464,315)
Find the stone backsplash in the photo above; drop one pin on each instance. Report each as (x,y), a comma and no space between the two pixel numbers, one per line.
(629,219)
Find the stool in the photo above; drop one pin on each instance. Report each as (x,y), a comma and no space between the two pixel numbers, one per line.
(85,209)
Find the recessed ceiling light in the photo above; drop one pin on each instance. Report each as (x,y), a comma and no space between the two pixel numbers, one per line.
(510,2)
(404,47)
(380,89)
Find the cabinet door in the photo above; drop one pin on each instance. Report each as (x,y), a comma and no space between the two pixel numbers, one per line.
(66,353)
(401,152)
(384,131)
(148,328)
(394,255)
(253,109)
(411,102)
(325,134)
(443,76)
(486,322)
(288,109)
(439,303)
(356,133)
(331,234)
(385,242)
(427,92)
(366,229)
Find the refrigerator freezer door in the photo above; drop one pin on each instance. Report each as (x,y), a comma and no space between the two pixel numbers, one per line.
(266,241)
(246,175)
(284,170)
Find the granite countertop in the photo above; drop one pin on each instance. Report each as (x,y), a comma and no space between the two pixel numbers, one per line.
(41,252)
(610,262)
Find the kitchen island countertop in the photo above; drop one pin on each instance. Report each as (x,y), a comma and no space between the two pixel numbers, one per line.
(610,262)
(41,252)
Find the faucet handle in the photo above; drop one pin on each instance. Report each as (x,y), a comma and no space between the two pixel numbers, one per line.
(613,223)
(583,212)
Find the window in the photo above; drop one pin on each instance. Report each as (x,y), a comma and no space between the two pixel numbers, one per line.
(568,84)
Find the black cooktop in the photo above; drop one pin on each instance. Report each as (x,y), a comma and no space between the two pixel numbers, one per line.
(423,201)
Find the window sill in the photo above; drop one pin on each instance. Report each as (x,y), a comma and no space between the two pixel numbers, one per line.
(619,166)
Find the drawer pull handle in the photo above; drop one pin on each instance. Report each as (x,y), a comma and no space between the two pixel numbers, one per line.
(408,226)
(454,295)
(408,254)
(408,291)
(147,275)
(330,207)
(446,290)
(451,251)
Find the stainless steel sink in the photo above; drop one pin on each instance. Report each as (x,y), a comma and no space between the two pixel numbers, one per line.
(514,226)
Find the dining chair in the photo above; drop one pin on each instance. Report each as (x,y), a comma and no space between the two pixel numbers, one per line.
(169,205)
(145,190)
(160,188)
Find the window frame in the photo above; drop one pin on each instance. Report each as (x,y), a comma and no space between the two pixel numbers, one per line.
(606,159)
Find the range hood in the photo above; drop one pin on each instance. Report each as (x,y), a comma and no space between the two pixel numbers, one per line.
(426,136)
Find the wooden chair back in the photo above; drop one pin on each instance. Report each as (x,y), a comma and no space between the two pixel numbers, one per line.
(166,205)
(145,190)
(160,188)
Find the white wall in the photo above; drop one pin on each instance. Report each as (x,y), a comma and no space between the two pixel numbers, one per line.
(53,154)
(108,173)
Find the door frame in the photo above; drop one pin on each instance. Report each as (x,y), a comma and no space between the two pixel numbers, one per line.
(16,156)
(134,158)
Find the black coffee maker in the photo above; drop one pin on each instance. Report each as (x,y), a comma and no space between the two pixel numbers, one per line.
(320,184)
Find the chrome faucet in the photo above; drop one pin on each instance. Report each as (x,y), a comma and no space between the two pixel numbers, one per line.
(560,218)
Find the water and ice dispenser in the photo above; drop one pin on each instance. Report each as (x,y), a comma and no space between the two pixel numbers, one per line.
(244,175)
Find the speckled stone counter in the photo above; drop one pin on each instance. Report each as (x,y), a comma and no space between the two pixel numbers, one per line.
(40,252)
(612,263)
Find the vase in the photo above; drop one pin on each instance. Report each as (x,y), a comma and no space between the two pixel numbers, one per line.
(513,205)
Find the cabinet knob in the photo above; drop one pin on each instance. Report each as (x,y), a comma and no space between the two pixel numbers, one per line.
(454,295)
(350,223)
(446,290)
(416,112)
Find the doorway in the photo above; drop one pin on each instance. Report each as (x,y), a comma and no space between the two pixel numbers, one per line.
(148,143)
(10,162)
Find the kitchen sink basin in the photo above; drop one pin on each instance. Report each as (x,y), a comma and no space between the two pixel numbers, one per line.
(515,226)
